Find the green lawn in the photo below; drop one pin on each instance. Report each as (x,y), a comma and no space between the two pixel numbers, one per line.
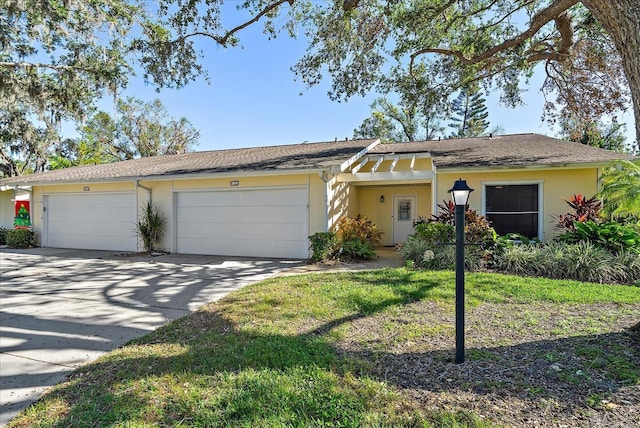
(369,349)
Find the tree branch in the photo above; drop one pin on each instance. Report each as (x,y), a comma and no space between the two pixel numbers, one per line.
(543,17)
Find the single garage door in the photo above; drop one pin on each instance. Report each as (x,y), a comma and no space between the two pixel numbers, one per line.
(254,223)
(92,221)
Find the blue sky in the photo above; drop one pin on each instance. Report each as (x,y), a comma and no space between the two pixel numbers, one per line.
(253,100)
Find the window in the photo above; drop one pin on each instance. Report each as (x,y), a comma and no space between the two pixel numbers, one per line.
(404,210)
(513,208)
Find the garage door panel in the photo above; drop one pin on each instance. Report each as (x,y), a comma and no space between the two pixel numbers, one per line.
(260,223)
(234,215)
(290,232)
(98,221)
(246,198)
(247,248)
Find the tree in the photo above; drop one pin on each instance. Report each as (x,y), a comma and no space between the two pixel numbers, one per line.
(597,134)
(145,129)
(403,122)
(620,190)
(57,58)
(140,129)
(470,115)
(589,50)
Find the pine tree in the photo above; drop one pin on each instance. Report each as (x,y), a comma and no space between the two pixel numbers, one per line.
(470,115)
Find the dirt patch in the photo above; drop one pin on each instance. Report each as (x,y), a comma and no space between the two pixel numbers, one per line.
(526,365)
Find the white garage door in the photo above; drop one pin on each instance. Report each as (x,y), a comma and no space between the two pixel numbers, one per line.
(92,221)
(254,223)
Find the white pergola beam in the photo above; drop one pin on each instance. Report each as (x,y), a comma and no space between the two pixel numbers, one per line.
(394,163)
(413,161)
(360,165)
(377,164)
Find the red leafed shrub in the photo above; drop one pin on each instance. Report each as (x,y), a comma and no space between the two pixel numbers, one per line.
(583,210)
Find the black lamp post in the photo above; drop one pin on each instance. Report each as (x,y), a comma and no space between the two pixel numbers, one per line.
(460,195)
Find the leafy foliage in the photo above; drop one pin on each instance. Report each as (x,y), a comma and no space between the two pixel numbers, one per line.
(582,261)
(620,191)
(583,210)
(356,238)
(19,238)
(151,226)
(477,228)
(359,227)
(594,133)
(412,119)
(323,245)
(611,236)
(3,235)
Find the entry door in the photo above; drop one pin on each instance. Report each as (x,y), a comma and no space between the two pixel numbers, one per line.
(404,214)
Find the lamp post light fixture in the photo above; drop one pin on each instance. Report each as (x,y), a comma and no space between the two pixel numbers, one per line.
(460,195)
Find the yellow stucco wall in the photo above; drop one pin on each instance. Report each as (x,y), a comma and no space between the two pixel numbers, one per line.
(366,201)
(7,210)
(555,185)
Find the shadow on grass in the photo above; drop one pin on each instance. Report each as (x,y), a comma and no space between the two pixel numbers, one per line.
(202,370)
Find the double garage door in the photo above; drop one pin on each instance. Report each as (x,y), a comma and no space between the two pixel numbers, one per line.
(257,222)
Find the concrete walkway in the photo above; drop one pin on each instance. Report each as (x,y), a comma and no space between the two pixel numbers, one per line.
(60,308)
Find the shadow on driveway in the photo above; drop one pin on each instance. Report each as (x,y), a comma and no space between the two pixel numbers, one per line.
(63,308)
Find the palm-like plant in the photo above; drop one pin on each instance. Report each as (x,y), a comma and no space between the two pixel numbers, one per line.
(620,190)
(150,226)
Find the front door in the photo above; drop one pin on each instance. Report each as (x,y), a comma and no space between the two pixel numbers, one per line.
(404,214)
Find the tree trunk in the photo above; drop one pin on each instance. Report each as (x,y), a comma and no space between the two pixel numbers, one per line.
(621,19)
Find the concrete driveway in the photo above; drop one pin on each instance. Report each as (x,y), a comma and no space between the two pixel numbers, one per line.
(63,308)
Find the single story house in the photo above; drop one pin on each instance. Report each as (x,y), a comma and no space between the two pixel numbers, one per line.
(266,201)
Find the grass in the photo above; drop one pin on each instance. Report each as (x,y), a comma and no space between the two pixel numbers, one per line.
(306,351)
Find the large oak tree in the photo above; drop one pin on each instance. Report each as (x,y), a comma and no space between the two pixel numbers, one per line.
(59,56)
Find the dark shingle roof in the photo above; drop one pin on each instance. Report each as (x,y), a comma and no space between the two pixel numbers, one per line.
(509,151)
(271,158)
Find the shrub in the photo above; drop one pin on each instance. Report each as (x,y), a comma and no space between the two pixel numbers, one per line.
(356,238)
(522,259)
(414,248)
(356,249)
(323,246)
(477,228)
(3,235)
(582,261)
(150,226)
(435,233)
(583,210)
(587,262)
(19,238)
(611,236)
(359,228)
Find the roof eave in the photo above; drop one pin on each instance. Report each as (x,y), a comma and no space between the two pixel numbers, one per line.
(484,168)
(174,177)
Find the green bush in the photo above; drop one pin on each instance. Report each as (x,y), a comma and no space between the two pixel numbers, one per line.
(356,249)
(323,246)
(19,238)
(3,235)
(611,236)
(435,233)
(582,261)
